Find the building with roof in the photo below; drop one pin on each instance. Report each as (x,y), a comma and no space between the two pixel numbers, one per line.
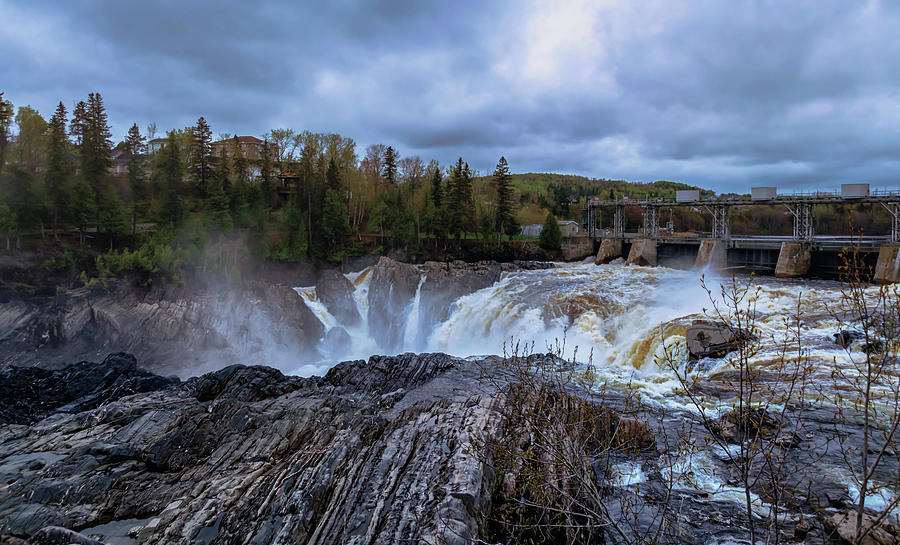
(249,146)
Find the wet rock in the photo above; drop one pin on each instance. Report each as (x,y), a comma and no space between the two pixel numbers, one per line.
(172,329)
(31,393)
(54,535)
(757,422)
(635,435)
(713,339)
(372,451)
(845,338)
(336,293)
(391,290)
(242,383)
(844,525)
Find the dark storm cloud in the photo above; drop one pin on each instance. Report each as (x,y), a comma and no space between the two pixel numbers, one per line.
(723,95)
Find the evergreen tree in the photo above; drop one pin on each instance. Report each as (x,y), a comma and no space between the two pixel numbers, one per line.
(460,206)
(97,145)
(112,216)
(238,199)
(437,193)
(551,234)
(292,245)
(79,123)
(504,222)
(200,156)
(24,199)
(390,165)
(56,176)
(334,223)
(136,147)
(6,117)
(170,206)
(217,207)
(82,207)
(238,161)
(333,177)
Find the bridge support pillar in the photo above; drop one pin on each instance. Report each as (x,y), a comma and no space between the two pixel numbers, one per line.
(887,270)
(793,260)
(643,252)
(711,255)
(610,249)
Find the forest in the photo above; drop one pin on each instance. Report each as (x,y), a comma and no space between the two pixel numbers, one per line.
(151,200)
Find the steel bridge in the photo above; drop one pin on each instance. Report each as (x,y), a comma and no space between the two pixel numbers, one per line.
(801,207)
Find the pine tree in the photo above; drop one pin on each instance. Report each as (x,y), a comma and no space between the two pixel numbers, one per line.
(551,234)
(217,208)
(334,223)
(200,156)
(437,193)
(170,205)
(79,123)
(292,246)
(135,145)
(6,117)
(82,207)
(504,222)
(390,165)
(460,207)
(58,172)
(91,127)
(333,176)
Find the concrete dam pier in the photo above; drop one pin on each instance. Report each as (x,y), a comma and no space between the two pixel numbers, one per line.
(786,259)
(804,253)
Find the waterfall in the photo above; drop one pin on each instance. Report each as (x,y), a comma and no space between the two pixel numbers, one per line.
(309,296)
(412,319)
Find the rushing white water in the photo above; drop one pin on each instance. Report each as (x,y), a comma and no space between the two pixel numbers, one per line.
(622,319)
(625,321)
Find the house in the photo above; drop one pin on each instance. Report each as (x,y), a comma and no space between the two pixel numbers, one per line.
(119,160)
(156,144)
(569,228)
(249,146)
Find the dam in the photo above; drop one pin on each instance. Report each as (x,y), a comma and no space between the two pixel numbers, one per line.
(804,253)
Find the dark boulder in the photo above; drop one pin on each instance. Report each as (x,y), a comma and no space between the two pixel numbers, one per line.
(243,383)
(30,393)
(845,338)
(714,339)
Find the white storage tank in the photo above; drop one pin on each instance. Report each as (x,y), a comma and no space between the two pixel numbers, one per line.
(763,193)
(854,191)
(687,195)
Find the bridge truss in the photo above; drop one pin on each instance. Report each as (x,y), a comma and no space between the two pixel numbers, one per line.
(800,208)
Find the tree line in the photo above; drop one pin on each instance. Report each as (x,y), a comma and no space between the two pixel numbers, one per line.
(302,193)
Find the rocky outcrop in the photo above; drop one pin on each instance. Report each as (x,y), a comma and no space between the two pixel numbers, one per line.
(391,290)
(173,330)
(336,293)
(712,339)
(30,393)
(374,452)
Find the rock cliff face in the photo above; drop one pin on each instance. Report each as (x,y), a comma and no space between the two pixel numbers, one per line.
(171,329)
(377,452)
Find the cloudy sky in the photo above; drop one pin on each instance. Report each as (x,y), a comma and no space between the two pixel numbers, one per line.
(724,95)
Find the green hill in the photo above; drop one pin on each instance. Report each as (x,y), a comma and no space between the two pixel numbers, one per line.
(564,194)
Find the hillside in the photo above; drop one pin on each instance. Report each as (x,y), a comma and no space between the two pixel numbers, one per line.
(564,194)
